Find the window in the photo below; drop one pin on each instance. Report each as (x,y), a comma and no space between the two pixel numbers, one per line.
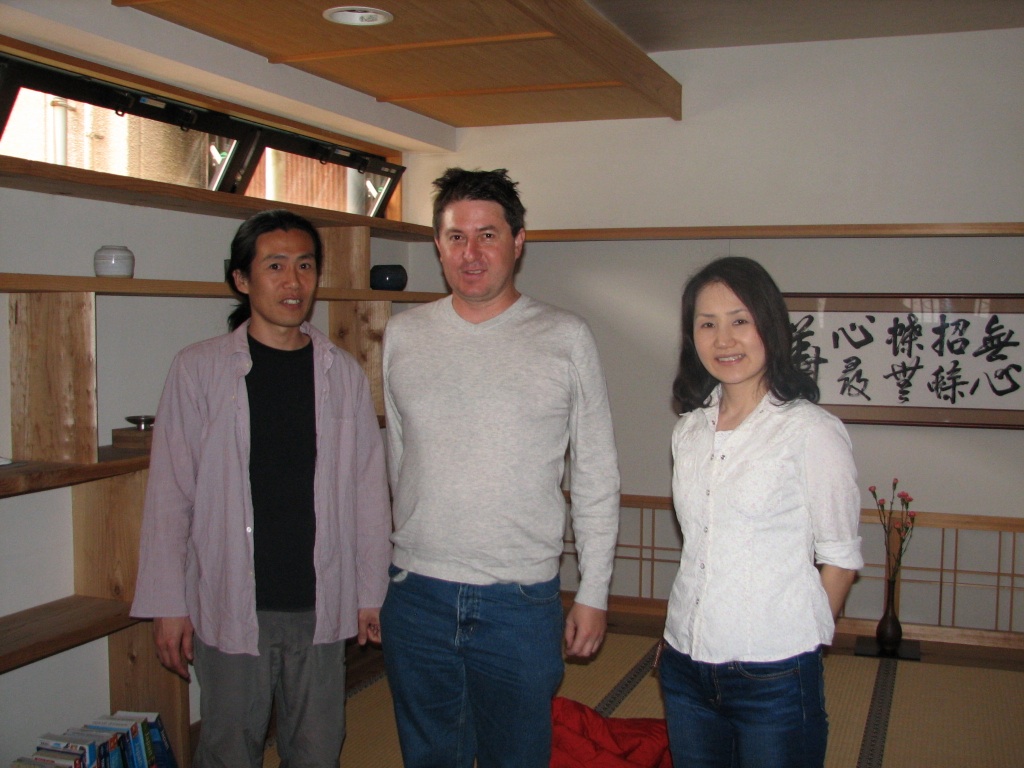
(48,115)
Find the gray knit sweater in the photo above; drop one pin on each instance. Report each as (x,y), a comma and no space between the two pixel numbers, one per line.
(479,417)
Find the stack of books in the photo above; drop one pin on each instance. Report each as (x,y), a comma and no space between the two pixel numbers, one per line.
(120,740)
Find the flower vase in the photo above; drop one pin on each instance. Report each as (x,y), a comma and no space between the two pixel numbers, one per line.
(889,632)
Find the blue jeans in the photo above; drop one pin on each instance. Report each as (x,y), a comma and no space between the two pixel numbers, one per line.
(472,670)
(743,714)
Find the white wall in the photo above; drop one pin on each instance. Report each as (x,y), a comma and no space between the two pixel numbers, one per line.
(926,129)
(921,129)
(916,129)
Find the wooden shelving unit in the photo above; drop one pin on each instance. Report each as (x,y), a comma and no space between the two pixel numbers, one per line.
(31,476)
(54,385)
(119,286)
(44,630)
(32,176)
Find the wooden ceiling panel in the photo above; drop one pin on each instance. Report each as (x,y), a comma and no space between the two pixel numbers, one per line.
(534,64)
(442,57)
(536,107)
(297,28)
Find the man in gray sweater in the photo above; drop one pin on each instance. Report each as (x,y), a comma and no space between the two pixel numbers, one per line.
(484,392)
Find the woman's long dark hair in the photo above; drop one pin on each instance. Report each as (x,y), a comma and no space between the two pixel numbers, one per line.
(243,251)
(754,287)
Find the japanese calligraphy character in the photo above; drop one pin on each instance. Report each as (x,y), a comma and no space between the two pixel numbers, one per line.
(996,339)
(853,382)
(864,336)
(950,336)
(947,384)
(806,356)
(1007,375)
(902,373)
(903,337)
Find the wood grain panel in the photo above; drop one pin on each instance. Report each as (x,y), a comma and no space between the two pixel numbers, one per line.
(539,106)
(521,64)
(262,27)
(31,476)
(460,46)
(53,376)
(106,520)
(138,683)
(356,326)
(35,633)
(111,286)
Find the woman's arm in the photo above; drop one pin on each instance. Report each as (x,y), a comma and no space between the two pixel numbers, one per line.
(837,582)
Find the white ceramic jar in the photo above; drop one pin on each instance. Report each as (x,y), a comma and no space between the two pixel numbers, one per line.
(114,261)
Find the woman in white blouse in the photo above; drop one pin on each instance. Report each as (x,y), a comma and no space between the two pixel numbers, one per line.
(765,490)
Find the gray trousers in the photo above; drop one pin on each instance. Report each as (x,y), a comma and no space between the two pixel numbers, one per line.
(306,681)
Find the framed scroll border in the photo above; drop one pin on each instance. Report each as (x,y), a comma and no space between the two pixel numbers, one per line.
(964,303)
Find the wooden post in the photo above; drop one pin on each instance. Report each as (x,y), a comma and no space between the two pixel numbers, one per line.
(139,683)
(53,376)
(107,521)
(356,326)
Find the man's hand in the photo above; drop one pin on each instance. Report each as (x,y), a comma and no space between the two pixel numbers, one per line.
(173,638)
(369,625)
(584,630)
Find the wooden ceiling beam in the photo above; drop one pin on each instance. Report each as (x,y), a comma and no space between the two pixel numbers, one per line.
(596,39)
(502,91)
(402,47)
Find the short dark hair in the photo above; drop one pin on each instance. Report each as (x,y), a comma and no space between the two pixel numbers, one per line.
(458,184)
(761,296)
(243,251)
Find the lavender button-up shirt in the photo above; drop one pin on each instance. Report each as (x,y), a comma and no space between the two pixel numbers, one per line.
(196,555)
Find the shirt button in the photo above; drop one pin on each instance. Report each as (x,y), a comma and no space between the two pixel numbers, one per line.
(702,566)
(705,529)
(707,492)
(248,529)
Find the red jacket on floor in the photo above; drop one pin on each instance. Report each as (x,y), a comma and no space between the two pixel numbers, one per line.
(584,739)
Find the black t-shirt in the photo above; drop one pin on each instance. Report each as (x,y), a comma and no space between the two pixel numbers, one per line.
(282,462)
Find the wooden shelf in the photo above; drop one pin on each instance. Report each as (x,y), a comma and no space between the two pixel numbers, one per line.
(31,476)
(93,185)
(777,232)
(119,286)
(50,179)
(41,631)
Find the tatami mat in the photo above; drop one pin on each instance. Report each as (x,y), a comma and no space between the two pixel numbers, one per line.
(589,682)
(849,683)
(955,717)
(372,738)
(941,716)
(644,701)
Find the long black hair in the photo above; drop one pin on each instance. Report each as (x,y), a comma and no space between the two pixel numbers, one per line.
(243,251)
(496,186)
(754,287)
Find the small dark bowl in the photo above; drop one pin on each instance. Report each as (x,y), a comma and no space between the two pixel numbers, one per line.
(388,277)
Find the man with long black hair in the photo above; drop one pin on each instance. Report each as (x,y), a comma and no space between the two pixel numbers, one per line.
(266,522)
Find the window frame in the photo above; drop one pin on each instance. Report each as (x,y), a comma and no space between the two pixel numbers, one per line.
(252,137)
